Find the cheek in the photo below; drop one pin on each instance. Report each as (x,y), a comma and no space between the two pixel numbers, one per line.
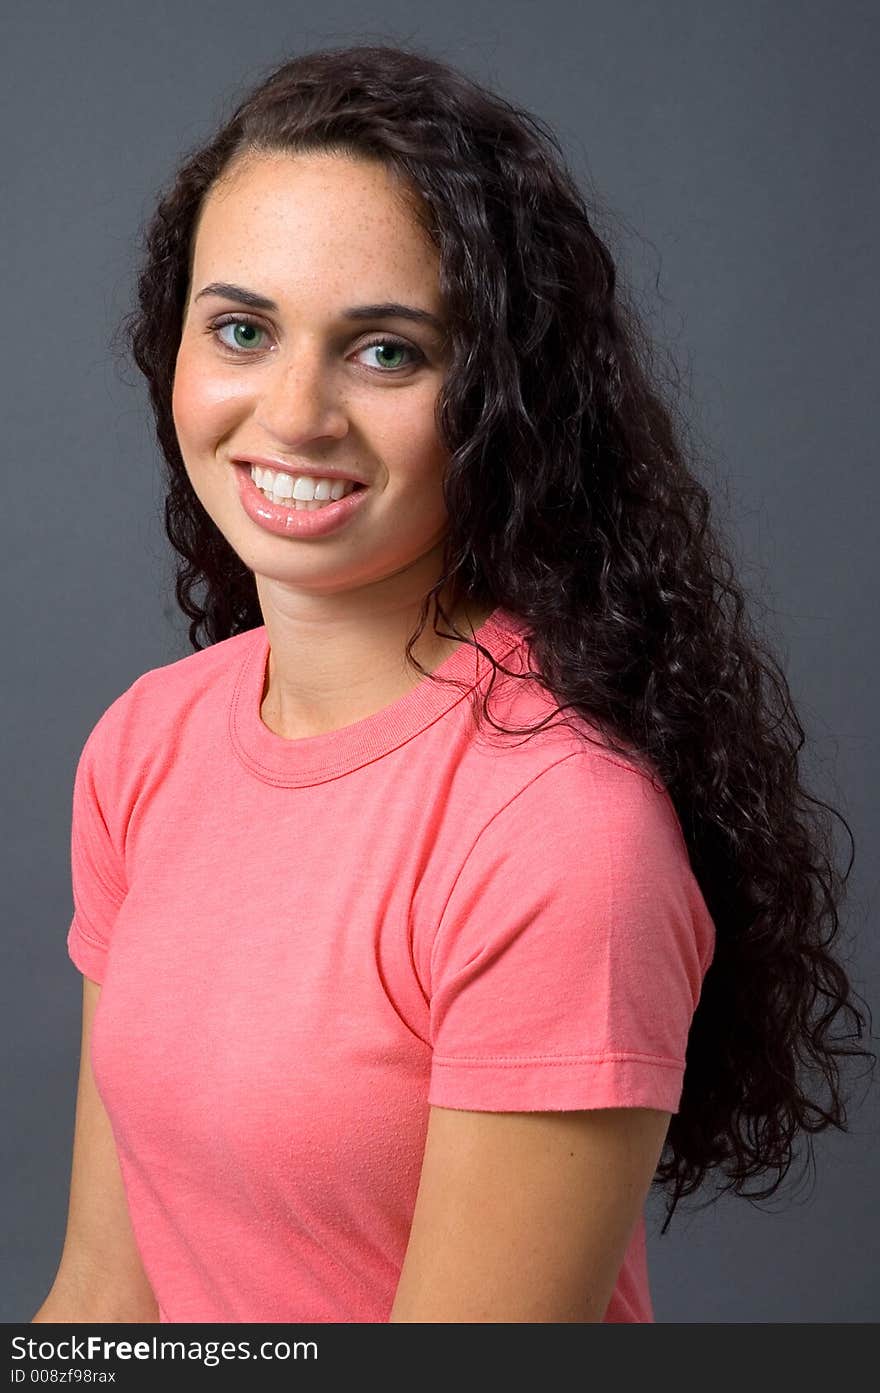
(203,404)
(411,436)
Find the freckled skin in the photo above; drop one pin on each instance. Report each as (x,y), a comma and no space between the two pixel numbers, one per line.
(319,233)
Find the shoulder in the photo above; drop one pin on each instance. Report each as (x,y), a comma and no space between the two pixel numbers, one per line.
(163,695)
(144,726)
(555,763)
(558,817)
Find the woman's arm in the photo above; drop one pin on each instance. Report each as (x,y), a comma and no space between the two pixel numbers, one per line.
(526,1216)
(100,1276)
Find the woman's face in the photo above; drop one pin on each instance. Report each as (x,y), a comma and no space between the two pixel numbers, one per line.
(309,385)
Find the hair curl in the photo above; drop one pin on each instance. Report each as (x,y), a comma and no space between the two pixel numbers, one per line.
(571,505)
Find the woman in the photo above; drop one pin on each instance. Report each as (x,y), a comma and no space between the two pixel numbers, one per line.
(396,939)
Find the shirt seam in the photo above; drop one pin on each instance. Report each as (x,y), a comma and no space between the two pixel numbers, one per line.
(78,919)
(524,1061)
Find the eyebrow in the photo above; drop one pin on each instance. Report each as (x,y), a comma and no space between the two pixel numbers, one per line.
(388,309)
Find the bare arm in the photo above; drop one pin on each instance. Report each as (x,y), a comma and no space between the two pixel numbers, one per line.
(526,1217)
(100,1276)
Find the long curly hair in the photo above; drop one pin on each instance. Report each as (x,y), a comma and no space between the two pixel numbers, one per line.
(572,505)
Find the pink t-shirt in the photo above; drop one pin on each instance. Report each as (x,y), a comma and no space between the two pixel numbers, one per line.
(303,944)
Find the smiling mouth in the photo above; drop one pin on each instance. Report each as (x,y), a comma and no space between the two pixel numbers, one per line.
(300,492)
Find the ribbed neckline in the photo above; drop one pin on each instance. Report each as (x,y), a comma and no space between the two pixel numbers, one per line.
(314,759)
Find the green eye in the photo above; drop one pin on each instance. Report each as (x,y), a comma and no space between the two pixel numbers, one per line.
(390,348)
(243,327)
(246,330)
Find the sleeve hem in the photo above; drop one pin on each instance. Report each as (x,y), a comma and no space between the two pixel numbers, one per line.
(556,1084)
(85,953)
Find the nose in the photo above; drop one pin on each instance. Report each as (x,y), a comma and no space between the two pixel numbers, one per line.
(298,402)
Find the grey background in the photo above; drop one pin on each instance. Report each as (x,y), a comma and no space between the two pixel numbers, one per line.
(733,143)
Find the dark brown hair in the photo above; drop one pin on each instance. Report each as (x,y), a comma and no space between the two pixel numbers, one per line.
(572,505)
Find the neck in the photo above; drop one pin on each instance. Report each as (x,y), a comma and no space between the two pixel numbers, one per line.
(333,664)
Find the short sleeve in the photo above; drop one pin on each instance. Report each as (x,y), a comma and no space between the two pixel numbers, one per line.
(569,958)
(96,862)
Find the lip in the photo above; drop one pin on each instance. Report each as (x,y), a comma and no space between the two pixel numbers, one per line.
(286,521)
(325,472)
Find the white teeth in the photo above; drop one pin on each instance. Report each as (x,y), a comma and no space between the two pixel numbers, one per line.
(304,491)
(283,487)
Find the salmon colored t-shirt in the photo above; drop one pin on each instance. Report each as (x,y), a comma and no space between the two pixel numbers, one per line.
(303,944)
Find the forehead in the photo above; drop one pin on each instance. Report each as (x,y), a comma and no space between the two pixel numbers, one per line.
(315,218)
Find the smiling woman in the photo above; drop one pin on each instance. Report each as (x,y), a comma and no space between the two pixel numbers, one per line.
(307,390)
(529,898)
